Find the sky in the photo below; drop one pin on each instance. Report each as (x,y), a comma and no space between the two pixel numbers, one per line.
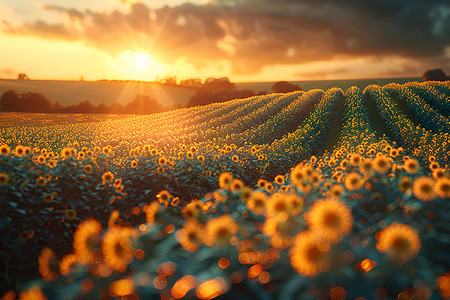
(245,40)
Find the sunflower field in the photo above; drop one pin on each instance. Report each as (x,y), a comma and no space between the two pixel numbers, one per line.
(306,195)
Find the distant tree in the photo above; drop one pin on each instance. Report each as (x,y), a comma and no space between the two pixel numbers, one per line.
(217,84)
(27,102)
(35,102)
(435,75)
(143,104)
(285,87)
(194,82)
(169,80)
(9,100)
(22,76)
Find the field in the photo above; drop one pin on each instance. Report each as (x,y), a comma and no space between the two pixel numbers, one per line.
(322,194)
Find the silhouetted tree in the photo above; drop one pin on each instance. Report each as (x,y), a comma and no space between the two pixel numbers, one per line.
(22,76)
(285,87)
(9,100)
(435,75)
(27,102)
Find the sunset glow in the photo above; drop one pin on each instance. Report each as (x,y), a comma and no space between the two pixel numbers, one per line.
(245,41)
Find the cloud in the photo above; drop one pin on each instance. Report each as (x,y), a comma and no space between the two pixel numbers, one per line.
(7,72)
(254,33)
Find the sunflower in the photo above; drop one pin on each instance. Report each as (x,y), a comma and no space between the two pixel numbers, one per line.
(106,150)
(344,164)
(236,186)
(19,151)
(24,236)
(150,212)
(86,240)
(47,261)
(191,236)
(393,153)
(400,241)
(309,256)
(439,173)
(295,203)
(225,180)
(220,230)
(107,177)
(4,178)
(201,158)
(442,187)
(257,202)
(423,188)
(336,191)
(330,220)
(277,228)
(160,170)
(381,164)
(235,158)
(48,198)
(277,203)
(87,169)
(67,262)
(434,166)
(354,181)
(404,185)
(366,166)
(190,155)
(164,197)
(71,214)
(34,293)
(5,150)
(279,179)
(443,283)
(81,155)
(297,175)
(411,166)
(134,164)
(41,159)
(193,209)
(117,247)
(68,152)
(27,151)
(162,161)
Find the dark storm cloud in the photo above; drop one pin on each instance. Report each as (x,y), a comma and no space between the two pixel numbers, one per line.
(255,33)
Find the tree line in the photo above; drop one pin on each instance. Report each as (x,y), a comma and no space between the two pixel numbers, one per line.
(213,90)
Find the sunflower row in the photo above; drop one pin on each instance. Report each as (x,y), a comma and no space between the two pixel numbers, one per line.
(278,124)
(356,127)
(436,96)
(403,131)
(310,135)
(421,111)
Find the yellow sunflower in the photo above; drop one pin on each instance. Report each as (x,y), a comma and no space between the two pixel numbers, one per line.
(117,247)
(399,241)
(191,235)
(330,220)
(220,230)
(309,256)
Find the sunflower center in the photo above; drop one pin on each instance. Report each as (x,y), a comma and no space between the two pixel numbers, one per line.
(331,219)
(400,245)
(313,254)
(426,189)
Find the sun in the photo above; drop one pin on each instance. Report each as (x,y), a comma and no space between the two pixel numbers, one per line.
(142,61)
(138,65)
